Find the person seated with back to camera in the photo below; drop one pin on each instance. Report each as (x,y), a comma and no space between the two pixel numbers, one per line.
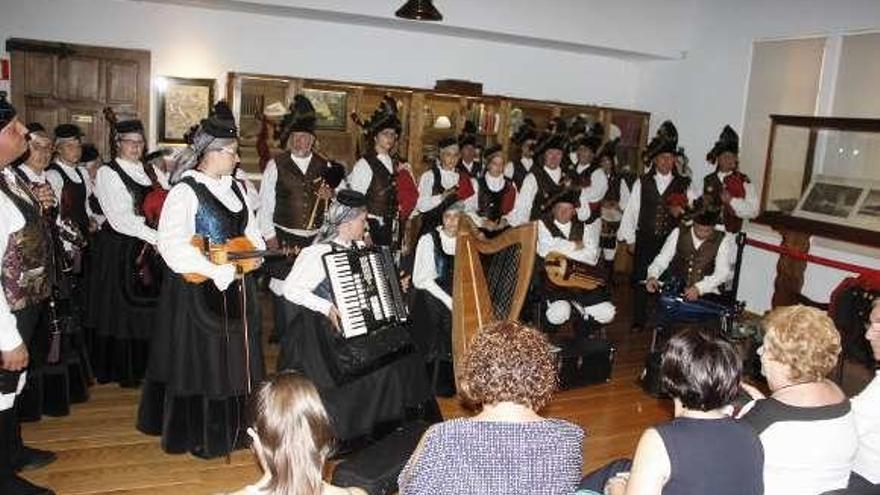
(508,447)
(702,449)
(695,255)
(291,438)
(560,231)
(806,425)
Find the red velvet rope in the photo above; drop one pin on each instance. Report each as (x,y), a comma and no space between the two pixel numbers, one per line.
(819,260)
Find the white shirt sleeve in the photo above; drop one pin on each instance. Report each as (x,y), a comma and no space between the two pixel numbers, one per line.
(266,212)
(747,207)
(522,207)
(427,200)
(624,195)
(508,170)
(593,194)
(57,182)
(425,271)
(627,231)
(664,257)
(360,177)
(118,206)
(307,272)
(710,283)
(10,221)
(177,225)
(589,254)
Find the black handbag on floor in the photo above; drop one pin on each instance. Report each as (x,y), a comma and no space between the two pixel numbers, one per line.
(584,362)
(376,468)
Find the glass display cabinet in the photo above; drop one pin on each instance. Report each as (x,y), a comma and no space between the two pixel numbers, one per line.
(822,177)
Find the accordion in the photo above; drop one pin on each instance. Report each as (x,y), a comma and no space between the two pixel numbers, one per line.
(366,289)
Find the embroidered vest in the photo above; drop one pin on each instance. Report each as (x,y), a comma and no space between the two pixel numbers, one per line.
(691,264)
(654,216)
(214,220)
(73,198)
(489,201)
(382,193)
(296,194)
(26,262)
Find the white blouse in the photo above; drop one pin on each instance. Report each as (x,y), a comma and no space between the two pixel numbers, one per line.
(177,224)
(425,269)
(448,179)
(117,203)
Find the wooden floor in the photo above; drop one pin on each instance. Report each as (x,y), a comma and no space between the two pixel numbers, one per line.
(99,450)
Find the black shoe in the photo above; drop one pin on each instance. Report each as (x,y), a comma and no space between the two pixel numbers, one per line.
(16,485)
(30,458)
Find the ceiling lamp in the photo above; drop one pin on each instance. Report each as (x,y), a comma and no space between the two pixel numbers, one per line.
(419,10)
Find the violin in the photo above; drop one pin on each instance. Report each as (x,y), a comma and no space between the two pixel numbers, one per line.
(239,251)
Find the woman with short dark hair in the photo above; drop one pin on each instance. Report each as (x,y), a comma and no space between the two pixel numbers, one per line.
(508,447)
(702,450)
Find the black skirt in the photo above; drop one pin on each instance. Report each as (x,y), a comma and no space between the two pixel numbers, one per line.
(203,364)
(361,405)
(121,308)
(52,387)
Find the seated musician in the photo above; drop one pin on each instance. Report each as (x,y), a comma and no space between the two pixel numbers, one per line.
(205,356)
(560,232)
(386,392)
(695,255)
(496,194)
(443,185)
(432,302)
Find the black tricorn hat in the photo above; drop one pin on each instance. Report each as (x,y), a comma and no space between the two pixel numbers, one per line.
(126,127)
(221,122)
(728,141)
(35,127)
(491,150)
(572,196)
(7,111)
(527,130)
(468,136)
(665,141)
(89,153)
(591,138)
(301,117)
(609,149)
(351,198)
(556,137)
(447,142)
(67,131)
(705,214)
(384,117)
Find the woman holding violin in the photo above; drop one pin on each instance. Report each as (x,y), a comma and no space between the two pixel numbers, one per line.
(206,356)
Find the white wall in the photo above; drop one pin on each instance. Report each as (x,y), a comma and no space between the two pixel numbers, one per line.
(193,42)
(708,89)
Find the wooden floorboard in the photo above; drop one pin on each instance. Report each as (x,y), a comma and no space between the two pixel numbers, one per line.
(100,451)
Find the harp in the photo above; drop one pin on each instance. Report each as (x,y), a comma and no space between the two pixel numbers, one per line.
(490,280)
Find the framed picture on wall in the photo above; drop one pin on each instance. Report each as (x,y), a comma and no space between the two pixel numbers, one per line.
(182,104)
(331,108)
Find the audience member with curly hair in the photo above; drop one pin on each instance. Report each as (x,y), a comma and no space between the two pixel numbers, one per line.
(508,448)
(806,425)
(702,450)
(292,439)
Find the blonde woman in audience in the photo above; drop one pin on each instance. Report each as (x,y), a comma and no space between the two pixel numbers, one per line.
(508,448)
(806,425)
(292,439)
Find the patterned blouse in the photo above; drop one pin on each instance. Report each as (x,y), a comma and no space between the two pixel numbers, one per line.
(465,456)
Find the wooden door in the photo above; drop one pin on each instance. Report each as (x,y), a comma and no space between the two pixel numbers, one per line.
(56,83)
